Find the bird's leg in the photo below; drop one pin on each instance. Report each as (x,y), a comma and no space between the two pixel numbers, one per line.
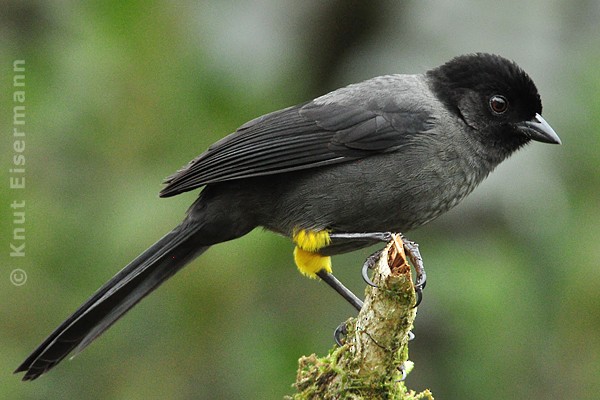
(339,287)
(347,294)
(377,236)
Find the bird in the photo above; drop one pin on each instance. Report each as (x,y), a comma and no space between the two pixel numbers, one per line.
(388,154)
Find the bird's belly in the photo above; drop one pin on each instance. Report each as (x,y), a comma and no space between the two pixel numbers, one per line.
(359,198)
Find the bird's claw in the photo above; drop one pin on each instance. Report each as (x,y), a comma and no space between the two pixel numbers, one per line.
(340,332)
(419,294)
(369,264)
(402,370)
(412,250)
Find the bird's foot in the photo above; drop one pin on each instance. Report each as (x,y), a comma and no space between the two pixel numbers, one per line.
(411,248)
(369,265)
(340,333)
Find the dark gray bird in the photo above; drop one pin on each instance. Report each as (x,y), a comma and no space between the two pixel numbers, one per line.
(385,155)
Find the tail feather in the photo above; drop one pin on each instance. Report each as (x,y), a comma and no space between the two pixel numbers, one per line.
(140,277)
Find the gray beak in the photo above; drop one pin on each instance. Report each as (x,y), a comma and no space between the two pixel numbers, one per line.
(539,130)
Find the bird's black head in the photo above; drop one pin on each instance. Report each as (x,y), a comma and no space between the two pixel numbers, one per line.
(495,97)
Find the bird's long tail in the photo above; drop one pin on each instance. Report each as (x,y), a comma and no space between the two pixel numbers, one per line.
(140,277)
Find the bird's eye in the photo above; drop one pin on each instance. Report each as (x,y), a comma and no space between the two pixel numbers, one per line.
(498,104)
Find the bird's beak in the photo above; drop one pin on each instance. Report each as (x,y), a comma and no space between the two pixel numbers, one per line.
(539,130)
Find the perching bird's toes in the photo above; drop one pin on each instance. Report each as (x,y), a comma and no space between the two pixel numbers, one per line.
(412,250)
(340,333)
(369,264)
(402,370)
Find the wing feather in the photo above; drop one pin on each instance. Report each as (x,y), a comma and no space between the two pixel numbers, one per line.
(309,135)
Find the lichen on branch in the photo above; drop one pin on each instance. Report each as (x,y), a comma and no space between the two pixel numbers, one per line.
(370,363)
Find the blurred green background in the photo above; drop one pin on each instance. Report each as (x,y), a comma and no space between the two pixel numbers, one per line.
(119,94)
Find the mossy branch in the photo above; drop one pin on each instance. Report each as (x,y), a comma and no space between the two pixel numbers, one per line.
(369,364)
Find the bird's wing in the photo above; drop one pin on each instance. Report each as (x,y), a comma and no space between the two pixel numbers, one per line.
(306,136)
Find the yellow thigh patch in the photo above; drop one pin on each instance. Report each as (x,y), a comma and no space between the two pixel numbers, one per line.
(307,244)
(310,263)
(311,240)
